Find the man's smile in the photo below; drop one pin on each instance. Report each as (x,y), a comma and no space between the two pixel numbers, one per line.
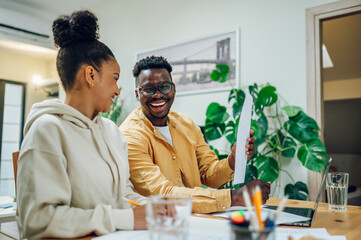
(158,103)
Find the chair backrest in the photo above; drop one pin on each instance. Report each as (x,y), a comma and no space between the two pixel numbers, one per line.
(15,163)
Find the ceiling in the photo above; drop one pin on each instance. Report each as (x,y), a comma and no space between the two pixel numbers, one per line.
(59,7)
(51,10)
(342,38)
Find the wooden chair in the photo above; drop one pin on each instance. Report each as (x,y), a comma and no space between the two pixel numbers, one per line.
(15,163)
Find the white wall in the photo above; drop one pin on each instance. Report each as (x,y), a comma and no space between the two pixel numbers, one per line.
(272,44)
(22,68)
(272,40)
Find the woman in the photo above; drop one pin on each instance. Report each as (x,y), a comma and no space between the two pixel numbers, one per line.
(73,168)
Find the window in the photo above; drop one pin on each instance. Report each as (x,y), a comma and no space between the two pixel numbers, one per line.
(12,101)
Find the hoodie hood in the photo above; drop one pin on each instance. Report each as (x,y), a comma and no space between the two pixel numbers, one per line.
(100,133)
(56,107)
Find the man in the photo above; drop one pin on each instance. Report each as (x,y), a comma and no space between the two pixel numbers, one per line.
(167,152)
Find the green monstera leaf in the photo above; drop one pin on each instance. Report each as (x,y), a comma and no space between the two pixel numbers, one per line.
(217,113)
(292,111)
(284,144)
(220,74)
(253,90)
(262,123)
(313,155)
(267,167)
(267,96)
(251,173)
(231,131)
(302,127)
(298,191)
(238,96)
(213,130)
(255,128)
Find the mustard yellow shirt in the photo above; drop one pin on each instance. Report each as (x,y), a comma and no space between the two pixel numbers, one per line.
(156,167)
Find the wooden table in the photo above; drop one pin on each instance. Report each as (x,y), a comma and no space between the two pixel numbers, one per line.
(336,222)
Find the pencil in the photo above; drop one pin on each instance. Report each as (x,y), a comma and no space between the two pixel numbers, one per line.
(257,200)
(131,202)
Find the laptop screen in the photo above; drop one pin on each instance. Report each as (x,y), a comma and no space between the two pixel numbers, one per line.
(327,167)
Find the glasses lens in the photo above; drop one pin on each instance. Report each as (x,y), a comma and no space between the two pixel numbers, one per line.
(165,87)
(148,90)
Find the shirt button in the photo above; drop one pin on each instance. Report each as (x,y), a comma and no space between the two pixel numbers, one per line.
(174,157)
(179,180)
(142,172)
(224,207)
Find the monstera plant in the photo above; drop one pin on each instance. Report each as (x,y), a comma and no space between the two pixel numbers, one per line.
(281,131)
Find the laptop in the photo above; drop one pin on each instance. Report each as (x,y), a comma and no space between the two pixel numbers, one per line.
(305,212)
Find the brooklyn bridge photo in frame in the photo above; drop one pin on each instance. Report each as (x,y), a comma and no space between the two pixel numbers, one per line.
(194,61)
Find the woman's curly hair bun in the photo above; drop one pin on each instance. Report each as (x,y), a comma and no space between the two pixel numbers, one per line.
(80,26)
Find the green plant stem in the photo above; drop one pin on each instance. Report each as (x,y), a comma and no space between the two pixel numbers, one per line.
(277,116)
(289,175)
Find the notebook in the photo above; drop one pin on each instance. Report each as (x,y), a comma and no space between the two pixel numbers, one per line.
(306,212)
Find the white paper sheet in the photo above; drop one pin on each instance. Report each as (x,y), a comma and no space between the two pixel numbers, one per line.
(244,127)
(214,229)
(200,228)
(297,233)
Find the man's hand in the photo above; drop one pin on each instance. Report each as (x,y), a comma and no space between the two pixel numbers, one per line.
(250,145)
(139,218)
(237,195)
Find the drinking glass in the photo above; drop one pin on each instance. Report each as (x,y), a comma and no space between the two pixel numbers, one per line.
(337,188)
(168,217)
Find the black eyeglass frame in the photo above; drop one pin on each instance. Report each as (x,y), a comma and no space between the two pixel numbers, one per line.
(155,88)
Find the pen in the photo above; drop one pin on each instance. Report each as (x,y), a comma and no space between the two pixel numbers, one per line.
(280,208)
(257,201)
(131,202)
(247,201)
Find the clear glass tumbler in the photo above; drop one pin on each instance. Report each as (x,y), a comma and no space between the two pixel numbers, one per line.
(168,217)
(337,189)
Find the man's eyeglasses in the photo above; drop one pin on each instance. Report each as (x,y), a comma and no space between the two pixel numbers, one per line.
(149,90)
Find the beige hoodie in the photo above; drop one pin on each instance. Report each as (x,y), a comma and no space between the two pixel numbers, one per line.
(72,175)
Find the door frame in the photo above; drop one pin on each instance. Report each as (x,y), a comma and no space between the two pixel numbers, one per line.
(315,109)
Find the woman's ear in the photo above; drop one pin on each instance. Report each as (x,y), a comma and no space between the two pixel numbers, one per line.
(89,76)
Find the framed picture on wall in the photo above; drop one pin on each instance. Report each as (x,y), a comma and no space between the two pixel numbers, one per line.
(193,62)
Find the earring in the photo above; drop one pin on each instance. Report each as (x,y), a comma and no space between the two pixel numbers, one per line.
(91,84)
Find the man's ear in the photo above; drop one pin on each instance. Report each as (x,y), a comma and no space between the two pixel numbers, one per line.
(90,76)
(136,94)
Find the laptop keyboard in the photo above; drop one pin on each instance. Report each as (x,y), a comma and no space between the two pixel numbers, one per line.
(299,211)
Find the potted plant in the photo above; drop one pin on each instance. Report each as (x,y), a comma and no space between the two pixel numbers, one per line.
(281,131)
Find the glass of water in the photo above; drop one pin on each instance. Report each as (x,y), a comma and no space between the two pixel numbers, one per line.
(168,217)
(337,188)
